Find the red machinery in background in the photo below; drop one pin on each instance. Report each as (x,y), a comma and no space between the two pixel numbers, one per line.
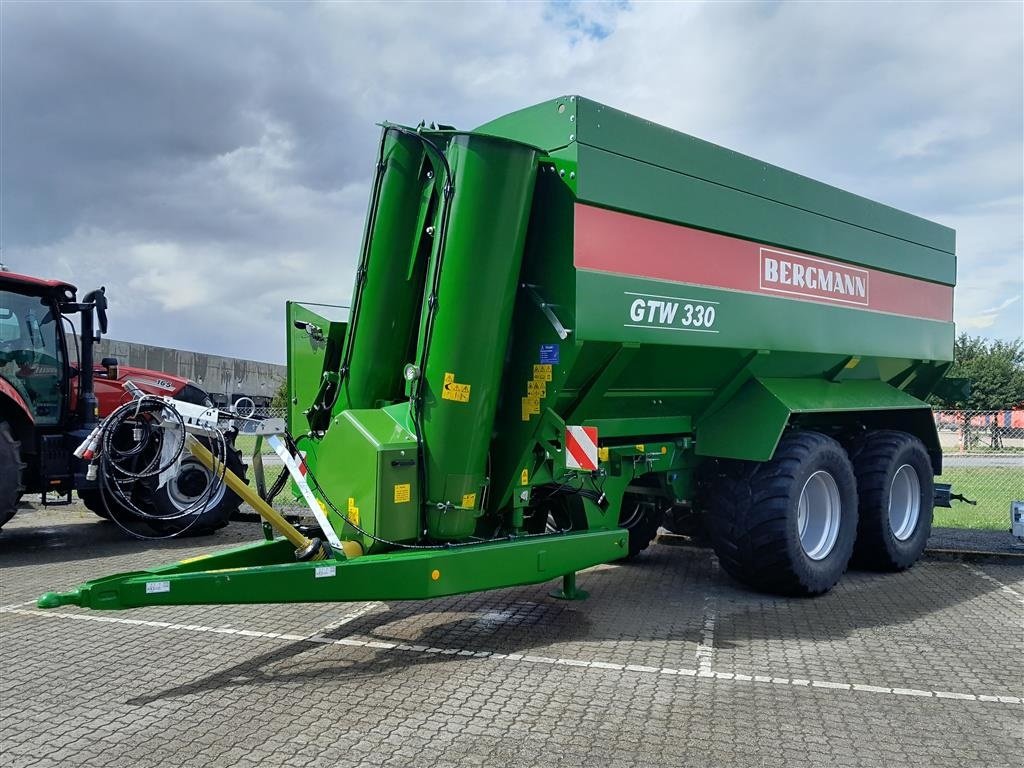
(50,401)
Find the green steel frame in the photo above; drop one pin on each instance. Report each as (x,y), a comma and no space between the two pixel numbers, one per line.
(486,318)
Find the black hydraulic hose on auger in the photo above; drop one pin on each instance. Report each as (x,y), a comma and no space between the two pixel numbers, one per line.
(416,410)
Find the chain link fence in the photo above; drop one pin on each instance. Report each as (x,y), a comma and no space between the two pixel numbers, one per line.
(983,458)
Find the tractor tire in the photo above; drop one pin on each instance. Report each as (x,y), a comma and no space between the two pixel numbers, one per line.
(788,525)
(641,516)
(93,501)
(895,485)
(10,473)
(179,493)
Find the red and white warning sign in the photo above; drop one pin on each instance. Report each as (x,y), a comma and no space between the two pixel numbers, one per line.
(581,448)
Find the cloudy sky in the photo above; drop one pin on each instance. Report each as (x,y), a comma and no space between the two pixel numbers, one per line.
(208,161)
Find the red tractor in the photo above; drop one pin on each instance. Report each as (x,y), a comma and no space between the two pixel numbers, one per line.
(49,405)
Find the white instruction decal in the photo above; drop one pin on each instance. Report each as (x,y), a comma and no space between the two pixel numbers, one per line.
(325,571)
(157,586)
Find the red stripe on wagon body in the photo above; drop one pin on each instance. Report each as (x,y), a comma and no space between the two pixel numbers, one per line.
(624,244)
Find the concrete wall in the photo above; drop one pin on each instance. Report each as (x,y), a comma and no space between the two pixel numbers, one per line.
(225,376)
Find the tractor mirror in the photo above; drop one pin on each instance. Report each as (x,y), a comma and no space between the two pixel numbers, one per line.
(110,363)
(99,299)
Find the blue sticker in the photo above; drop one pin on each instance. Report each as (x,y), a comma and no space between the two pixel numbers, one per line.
(549,353)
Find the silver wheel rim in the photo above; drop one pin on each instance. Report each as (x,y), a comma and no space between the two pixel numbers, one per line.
(818,515)
(904,502)
(182,500)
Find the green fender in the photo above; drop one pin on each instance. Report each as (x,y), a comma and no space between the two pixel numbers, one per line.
(750,423)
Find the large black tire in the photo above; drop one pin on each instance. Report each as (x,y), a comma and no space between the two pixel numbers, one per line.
(176,495)
(93,501)
(755,517)
(895,485)
(641,516)
(10,473)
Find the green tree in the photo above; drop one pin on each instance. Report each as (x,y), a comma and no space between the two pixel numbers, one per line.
(995,369)
(280,399)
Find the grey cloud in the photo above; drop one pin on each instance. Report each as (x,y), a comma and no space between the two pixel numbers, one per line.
(208,161)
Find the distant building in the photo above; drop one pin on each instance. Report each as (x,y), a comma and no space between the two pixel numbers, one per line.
(225,378)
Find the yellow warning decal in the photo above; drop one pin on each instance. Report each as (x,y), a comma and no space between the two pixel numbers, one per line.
(640,447)
(524,478)
(542,372)
(353,511)
(853,362)
(454,391)
(469,501)
(403,493)
(536,389)
(602,454)
(530,405)
(664,449)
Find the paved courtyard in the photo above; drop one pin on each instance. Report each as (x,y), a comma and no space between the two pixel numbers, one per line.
(668,663)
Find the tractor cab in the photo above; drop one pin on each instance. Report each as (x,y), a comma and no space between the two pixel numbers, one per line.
(46,402)
(33,357)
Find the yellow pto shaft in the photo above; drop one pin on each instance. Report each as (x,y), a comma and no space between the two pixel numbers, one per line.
(305,548)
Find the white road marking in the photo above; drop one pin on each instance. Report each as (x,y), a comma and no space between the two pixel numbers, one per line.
(526,659)
(706,646)
(12,606)
(319,635)
(992,580)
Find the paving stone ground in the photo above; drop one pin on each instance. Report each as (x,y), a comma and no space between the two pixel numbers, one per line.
(667,663)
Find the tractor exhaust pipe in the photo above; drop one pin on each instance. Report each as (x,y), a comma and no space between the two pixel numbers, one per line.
(88,405)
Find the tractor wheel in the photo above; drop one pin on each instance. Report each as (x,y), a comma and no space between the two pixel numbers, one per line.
(93,501)
(641,516)
(787,525)
(895,487)
(10,473)
(182,491)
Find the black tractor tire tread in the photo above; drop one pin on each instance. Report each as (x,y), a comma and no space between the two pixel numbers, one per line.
(11,467)
(750,520)
(92,499)
(874,457)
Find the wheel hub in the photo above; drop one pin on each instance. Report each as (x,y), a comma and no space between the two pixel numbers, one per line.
(904,502)
(190,485)
(819,512)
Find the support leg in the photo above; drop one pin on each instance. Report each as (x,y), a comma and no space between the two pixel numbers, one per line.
(569,590)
